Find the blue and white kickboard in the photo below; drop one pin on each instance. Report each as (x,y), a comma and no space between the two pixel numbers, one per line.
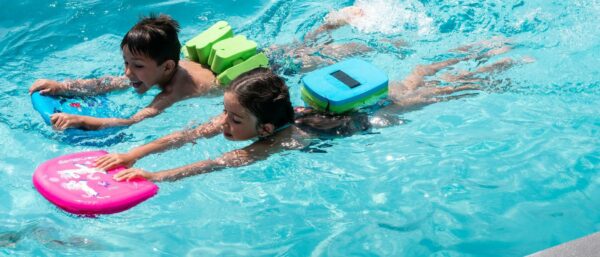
(97,106)
(344,86)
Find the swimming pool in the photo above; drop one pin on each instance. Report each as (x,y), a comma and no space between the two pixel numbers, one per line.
(507,172)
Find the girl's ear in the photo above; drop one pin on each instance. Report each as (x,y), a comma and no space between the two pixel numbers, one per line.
(265,130)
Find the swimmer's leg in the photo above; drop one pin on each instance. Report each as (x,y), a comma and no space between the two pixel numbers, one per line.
(438,91)
(494,42)
(310,63)
(498,66)
(340,51)
(416,77)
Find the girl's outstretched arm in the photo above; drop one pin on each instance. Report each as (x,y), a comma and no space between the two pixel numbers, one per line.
(231,159)
(173,140)
(79,87)
(259,150)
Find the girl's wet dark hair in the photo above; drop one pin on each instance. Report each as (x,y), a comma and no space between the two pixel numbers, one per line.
(156,37)
(265,95)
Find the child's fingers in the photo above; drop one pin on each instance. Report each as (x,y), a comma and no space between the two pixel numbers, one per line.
(126,174)
(108,164)
(35,87)
(62,121)
(59,123)
(109,161)
(103,159)
(103,162)
(45,91)
(56,120)
(119,176)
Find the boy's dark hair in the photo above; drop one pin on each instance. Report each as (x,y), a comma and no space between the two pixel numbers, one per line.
(156,37)
(265,95)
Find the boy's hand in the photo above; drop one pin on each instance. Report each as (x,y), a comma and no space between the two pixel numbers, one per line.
(63,121)
(132,173)
(110,161)
(47,87)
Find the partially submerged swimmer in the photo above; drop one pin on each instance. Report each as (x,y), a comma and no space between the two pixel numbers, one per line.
(151,52)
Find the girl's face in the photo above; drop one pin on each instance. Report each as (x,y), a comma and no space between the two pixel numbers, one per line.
(142,71)
(240,123)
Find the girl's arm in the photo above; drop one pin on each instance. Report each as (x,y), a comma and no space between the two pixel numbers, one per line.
(173,140)
(79,87)
(231,159)
(259,150)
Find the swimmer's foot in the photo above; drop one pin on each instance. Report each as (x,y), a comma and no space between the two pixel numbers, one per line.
(448,90)
(466,76)
(398,43)
(493,42)
(493,52)
(498,66)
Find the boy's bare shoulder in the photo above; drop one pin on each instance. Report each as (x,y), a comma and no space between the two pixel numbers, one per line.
(193,66)
(196,72)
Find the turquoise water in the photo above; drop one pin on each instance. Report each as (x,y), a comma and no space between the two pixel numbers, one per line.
(507,172)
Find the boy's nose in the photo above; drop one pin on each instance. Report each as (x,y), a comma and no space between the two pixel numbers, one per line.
(127,71)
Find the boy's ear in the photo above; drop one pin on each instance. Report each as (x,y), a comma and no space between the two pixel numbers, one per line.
(266,129)
(169,65)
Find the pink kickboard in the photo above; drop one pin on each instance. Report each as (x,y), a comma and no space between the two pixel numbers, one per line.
(72,183)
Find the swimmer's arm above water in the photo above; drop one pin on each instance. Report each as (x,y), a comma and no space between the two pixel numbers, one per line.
(173,140)
(230,159)
(79,87)
(63,120)
(241,157)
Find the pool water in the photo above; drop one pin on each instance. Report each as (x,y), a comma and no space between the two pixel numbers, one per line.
(507,172)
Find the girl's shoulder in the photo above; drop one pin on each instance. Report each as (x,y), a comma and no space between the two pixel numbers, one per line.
(327,124)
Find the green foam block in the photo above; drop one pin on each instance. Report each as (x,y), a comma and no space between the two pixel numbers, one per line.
(198,48)
(229,52)
(259,60)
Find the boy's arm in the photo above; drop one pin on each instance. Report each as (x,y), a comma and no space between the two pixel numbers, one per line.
(173,140)
(79,87)
(64,121)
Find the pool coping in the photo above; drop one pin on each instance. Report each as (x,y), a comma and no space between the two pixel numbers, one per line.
(585,246)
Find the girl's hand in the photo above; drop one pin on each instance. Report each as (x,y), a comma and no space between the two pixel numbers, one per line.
(132,173)
(47,87)
(110,161)
(63,121)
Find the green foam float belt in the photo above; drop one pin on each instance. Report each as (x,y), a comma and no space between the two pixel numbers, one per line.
(227,55)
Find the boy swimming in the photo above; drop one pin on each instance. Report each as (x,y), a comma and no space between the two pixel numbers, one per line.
(257,106)
(151,50)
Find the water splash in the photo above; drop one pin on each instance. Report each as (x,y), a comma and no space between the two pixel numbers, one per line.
(392,17)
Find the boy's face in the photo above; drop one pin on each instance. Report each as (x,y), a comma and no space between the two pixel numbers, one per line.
(142,71)
(240,123)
